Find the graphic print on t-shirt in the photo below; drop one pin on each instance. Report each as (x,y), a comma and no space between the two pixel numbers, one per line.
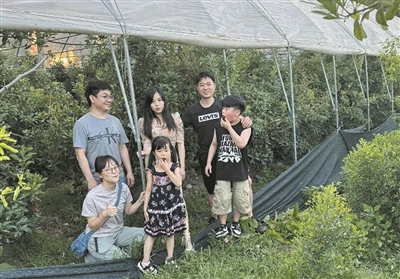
(228,151)
(110,134)
(208,117)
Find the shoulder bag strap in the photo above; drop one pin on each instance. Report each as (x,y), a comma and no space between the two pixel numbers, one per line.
(119,193)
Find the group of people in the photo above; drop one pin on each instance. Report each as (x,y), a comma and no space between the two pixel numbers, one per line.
(100,146)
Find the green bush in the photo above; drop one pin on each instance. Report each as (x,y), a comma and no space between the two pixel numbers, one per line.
(372,190)
(327,241)
(18,201)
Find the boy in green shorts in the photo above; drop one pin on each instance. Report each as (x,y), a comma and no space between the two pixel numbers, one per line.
(229,144)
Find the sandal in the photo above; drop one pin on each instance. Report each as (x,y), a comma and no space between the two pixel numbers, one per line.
(147,268)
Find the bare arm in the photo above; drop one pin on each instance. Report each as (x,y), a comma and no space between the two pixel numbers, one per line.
(181,154)
(211,153)
(149,185)
(130,179)
(180,143)
(145,141)
(175,176)
(80,154)
(131,208)
(240,140)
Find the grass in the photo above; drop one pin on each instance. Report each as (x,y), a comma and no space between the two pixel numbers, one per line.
(252,256)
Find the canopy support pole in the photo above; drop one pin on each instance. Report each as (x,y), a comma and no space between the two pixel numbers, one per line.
(367,91)
(358,76)
(327,81)
(390,94)
(23,75)
(135,117)
(131,124)
(336,92)
(281,80)
(226,72)
(292,100)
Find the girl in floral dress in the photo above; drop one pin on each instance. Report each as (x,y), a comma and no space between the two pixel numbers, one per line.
(158,121)
(164,208)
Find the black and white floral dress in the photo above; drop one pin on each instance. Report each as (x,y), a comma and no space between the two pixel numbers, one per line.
(166,207)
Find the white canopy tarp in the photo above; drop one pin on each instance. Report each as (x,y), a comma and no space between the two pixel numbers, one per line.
(211,23)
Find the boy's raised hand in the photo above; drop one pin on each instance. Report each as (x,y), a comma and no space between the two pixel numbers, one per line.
(225,123)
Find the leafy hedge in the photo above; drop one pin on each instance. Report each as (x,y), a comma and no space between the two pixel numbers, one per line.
(372,190)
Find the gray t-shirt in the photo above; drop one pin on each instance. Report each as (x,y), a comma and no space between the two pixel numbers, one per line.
(96,201)
(99,137)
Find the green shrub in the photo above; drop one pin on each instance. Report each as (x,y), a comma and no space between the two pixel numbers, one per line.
(372,178)
(327,240)
(18,201)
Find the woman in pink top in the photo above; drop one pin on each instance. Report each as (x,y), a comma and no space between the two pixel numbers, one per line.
(158,121)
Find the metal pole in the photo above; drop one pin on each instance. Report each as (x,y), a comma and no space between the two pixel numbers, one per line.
(327,81)
(226,72)
(121,85)
(135,118)
(132,125)
(336,93)
(282,83)
(23,75)
(292,99)
(390,95)
(367,91)
(358,76)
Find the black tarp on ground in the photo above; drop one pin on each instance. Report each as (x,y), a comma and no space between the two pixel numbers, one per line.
(319,167)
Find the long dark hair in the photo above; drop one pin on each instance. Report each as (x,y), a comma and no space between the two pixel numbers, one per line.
(159,143)
(149,114)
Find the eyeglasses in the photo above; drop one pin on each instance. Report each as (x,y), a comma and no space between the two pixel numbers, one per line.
(112,169)
(106,97)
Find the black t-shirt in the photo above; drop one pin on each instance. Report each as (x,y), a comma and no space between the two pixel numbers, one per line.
(232,162)
(203,121)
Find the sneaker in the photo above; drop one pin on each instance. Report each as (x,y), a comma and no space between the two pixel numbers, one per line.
(147,268)
(236,229)
(221,231)
(260,227)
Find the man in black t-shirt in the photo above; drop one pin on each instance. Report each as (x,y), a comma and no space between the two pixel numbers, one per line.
(202,116)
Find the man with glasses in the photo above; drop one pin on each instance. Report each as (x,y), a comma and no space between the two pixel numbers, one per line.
(99,133)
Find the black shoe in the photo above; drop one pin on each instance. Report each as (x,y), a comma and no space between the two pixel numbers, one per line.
(221,231)
(150,268)
(236,229)
(260,228)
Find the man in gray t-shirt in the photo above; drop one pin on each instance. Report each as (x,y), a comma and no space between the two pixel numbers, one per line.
(99,133)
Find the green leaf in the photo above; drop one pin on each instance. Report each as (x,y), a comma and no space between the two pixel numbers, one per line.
(330,17)
(330,5)
(380,17)
(358,30)
(365,15)
(323,13)
(393,10)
